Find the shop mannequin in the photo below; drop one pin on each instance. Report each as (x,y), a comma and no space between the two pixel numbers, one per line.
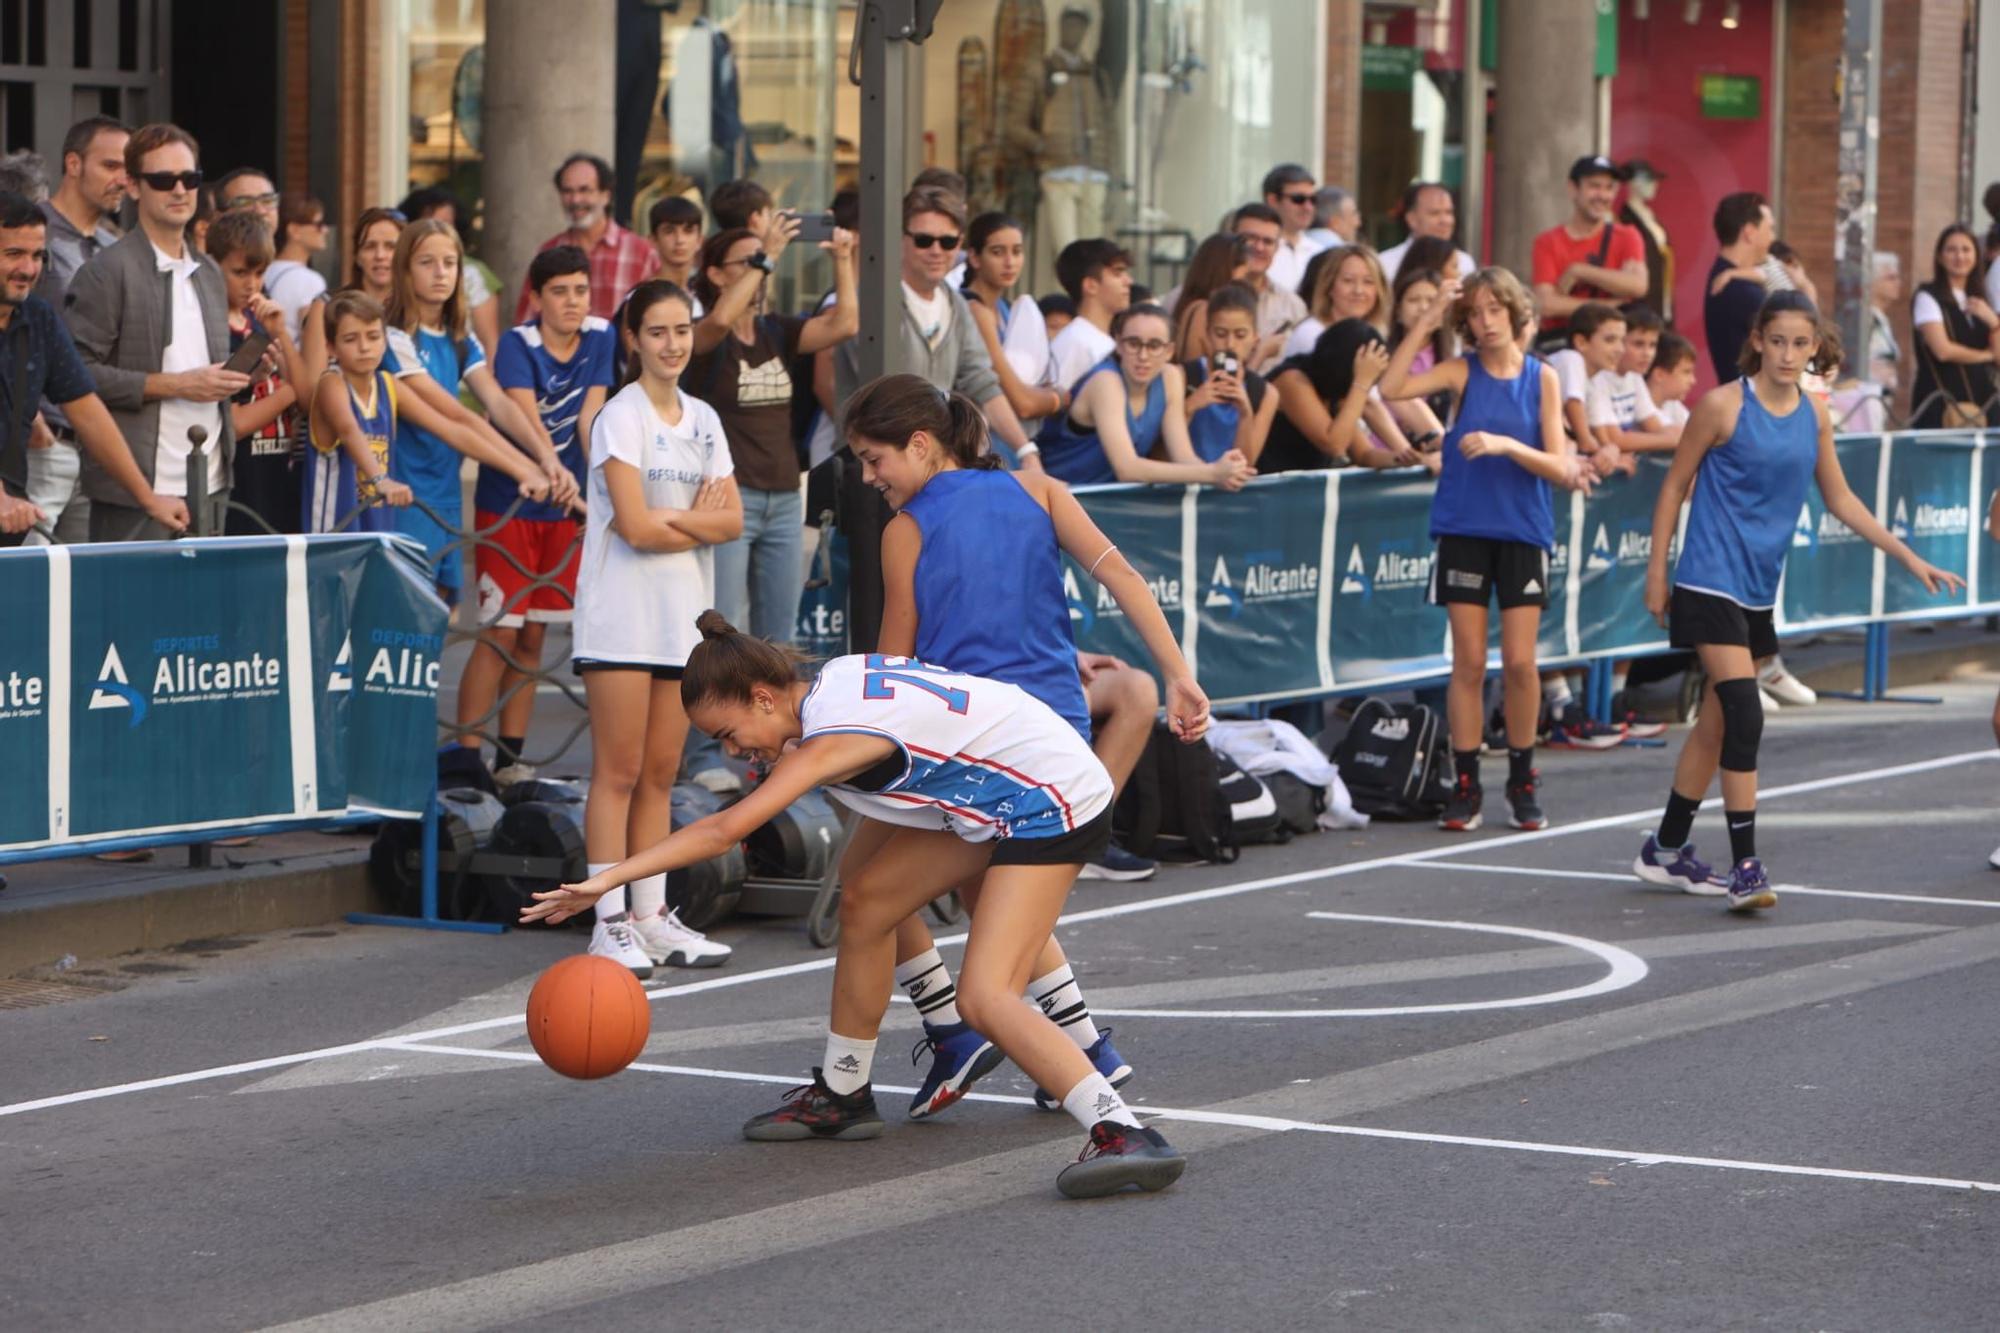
(1076,142)
(1642,186)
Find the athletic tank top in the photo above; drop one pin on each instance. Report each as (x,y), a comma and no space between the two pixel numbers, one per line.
(1072,453)
(989,586)
(981,758)
(332,489)
(1747,497)
(1495,498)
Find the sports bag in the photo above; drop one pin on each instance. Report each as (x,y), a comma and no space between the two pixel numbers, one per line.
(1396,760)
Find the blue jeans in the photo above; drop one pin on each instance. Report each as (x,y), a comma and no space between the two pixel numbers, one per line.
(759,576)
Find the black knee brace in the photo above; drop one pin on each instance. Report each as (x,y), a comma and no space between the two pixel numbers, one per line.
(1742,723)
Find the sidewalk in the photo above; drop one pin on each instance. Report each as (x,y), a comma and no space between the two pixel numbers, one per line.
(92,909)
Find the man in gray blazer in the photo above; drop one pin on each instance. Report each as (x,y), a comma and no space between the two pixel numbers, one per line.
(151,320)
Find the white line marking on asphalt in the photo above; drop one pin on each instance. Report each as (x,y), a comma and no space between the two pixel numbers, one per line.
(1534,872)
(1627,969)
(1634,1157)
(1095,914)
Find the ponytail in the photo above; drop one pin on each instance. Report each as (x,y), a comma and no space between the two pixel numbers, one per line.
(891,410)
(727,664)
(1826,358)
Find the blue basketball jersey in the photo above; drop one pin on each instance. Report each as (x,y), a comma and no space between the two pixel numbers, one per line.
(1747,497)
(1073,453)
(989,587)
(1491,497)
(981,758)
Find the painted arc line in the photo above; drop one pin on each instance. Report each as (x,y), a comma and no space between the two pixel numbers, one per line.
(1633,819)
(1627,969)
(1536,873)
(1278,1124)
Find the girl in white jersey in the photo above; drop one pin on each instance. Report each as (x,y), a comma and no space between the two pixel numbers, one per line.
(960,764)
(661,498)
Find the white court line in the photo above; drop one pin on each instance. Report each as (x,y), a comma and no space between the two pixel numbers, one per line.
(1279,1124)
(1074,918)
(1634,880)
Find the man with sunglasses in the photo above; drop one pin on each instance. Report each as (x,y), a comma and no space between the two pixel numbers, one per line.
(151,319)
(248,190)
(1288,188)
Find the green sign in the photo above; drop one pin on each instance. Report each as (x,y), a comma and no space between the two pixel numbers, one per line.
(1390,69)
(1604,64)
(1730,96)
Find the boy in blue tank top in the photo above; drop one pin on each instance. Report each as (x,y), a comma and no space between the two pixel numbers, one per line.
(1493,521)
(1755,444)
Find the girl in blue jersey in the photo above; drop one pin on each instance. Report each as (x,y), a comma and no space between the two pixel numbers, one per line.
(1125,406)
(1493,521)
(978,777)
(973,581)
(1754,444)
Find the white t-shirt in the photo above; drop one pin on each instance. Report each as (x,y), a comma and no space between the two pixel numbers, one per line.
(932,313)
(1392,261)
(1572,376)
(1993,285)
(1674,414)
(188,351)
(640,606)
(1301,340)
(1079,346)
(1925,309)
(1620,399)
(294,286)
(1288,265)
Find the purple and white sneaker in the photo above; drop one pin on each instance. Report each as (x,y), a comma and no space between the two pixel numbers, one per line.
(1749,887)
(1677,869)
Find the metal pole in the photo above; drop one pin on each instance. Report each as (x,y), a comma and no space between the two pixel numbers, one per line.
(1472,114)
(1855,179)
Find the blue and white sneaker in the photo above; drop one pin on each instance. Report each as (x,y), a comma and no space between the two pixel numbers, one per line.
(1749,887)
(1677,869)
(1119,864)
(960,1058)
(1105,1059)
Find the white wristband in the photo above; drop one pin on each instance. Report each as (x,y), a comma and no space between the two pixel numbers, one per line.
(1027,449)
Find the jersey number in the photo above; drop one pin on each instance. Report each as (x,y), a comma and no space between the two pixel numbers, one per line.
(885,673)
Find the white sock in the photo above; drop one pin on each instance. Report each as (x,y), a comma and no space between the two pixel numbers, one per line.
(1095,1099)
(1555,689)
(1058,996)
(611,906)
(649,895)
(847,1064)
(928,983)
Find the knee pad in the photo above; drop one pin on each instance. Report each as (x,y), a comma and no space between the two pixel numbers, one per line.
(1742,723)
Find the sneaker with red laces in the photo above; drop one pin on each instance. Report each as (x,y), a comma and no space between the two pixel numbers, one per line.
(1524,804)
(1638,729)
(1119,1156)
(815,1111)
(1584,733)
(1461,812)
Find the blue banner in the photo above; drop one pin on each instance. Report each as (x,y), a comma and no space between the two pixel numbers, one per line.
(28,690)
(1830,573)
(1382,625)
(1617,544)
(1930,506)
(1145,524)
(1260,558)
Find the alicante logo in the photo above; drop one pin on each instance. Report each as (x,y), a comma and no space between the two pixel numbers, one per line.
(1600,556)
(1265,579)
(20,696)
(1802,531)
(1084,610)
(1393,569)
(1634,547)
(114,689)
(341,679)
(184,671)
(1930,520)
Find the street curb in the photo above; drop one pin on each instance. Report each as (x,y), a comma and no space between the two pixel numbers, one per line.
(1907,665)
(100,923)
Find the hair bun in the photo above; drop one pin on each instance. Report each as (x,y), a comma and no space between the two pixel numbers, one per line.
(713,625)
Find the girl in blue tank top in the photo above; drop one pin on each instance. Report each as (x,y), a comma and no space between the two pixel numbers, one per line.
(1124,408)
(973,581)
(1753,444)
(1492,520)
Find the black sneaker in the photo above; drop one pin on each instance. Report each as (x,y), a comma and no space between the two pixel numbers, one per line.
(1118,1156)
(1461,812)
(815,1111)
(1524,804)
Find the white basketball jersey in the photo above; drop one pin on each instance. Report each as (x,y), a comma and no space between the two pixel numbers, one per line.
(983,759)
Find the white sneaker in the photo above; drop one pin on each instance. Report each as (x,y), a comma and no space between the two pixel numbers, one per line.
(671,944)
(721,781)
(1764,697)
(513,773)
(1783,686)
(1994,860)
(617,941)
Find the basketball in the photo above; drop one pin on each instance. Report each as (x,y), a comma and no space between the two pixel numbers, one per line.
(588,1017)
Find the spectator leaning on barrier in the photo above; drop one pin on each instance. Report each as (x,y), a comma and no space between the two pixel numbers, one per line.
(267,457)
(38,362)
(1671,379)
(1590,255)
(1011,325)
(1097,274)
(1885,352)
(1954,335)
(939,337)
(1428,209)
(1744,229)
(482,303)
(292,281)
(1279,309)
(619,259)
(1347,284)
(1231,405)
(1336,218)
(1328,412)
(1288,189)
(151,319)
(79,217)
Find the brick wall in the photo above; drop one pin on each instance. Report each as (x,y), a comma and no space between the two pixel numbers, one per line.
(1811,134)
(1341,163)
(292,164)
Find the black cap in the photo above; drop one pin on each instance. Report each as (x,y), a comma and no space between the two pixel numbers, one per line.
(1639,166)
(1595,165)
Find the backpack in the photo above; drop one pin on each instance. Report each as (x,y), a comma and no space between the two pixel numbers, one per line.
(1173,804)
(1253,809)
(1396,760)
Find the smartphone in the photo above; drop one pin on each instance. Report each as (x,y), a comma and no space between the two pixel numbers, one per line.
(245,358)
(1227,364)
(814,227)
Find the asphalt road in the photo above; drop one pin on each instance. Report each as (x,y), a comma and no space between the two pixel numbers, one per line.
(1646,1114)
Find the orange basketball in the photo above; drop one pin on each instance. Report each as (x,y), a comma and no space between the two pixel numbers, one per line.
(588,1017)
